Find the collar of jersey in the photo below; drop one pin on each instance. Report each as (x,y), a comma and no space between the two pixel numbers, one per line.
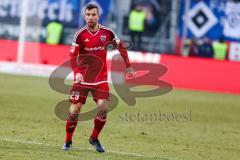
(95,32)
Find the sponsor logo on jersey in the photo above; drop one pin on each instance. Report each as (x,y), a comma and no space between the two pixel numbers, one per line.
(94,48)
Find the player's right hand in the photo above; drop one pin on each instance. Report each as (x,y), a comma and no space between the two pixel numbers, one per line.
(78,78)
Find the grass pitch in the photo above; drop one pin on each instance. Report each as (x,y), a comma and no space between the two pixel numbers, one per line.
(192,125)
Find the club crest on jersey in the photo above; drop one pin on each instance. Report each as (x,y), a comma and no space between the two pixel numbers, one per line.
(103,38)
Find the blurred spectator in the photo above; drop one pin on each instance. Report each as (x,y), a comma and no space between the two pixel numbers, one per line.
(220,49)
(136,25)
(151,20)
(54,32)
(193,48)
(206,49)
(186,47)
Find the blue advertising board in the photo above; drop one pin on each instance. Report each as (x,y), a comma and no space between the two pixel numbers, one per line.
(41,12)
(212,18)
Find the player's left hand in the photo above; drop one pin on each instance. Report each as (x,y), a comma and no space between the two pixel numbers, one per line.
(130,72)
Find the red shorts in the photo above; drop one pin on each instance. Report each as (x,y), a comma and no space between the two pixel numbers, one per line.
(79,92)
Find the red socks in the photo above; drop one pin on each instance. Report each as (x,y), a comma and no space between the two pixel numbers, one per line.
(72,121)
(71,124)
(99,122)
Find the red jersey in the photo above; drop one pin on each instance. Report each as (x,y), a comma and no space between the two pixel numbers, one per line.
(92,53)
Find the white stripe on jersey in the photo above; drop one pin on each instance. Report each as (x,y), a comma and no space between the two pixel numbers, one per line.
(77,33)
(86,83)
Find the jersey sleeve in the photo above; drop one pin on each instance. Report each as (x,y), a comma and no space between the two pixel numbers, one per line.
(74,52)
(75,47)
(121,48)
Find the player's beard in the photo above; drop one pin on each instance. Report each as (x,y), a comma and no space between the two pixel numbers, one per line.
(92,25)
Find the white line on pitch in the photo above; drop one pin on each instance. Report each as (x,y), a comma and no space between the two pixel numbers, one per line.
(22,141)
(89,149)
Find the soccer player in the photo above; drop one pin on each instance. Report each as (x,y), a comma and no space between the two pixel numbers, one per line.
(89,45)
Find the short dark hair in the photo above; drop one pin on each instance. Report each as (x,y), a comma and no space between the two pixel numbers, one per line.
(92,6)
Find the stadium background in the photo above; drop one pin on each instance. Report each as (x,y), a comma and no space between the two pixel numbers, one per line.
(215,111)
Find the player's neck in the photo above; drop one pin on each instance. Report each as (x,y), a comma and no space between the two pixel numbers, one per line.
(94,28)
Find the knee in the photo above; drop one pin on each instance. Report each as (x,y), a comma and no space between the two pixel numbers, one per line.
(75,108)
(74,112)
(103,108)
